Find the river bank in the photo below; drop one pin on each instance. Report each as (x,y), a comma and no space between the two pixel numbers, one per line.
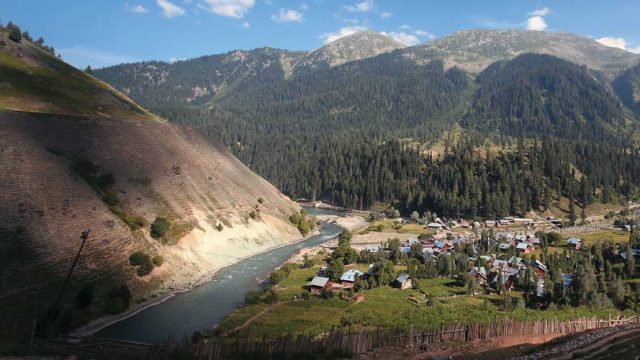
(181,311)
(103,322)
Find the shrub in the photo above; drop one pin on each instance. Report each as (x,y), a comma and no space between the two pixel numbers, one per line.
(118,300)
(158,260)
(278,276)
(305,295)
(84,297)
(160,227)
(260,200)
(253,215)
(136,258)
(326,293)
(252,297)
(270,296)
(146,266)
(110,198)
(219,227)
(14,33)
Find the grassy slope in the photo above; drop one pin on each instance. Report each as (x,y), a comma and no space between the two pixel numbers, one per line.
(35,81)
(385,307)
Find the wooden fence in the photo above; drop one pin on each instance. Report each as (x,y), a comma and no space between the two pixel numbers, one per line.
(349,343)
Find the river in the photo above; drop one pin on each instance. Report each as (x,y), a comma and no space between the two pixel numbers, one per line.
(208,304)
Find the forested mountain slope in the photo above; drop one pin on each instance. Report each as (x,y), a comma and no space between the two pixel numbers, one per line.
(138,182)
(541,95)
(332,131)
(627,87)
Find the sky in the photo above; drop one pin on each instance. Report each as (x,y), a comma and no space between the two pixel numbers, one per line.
(108,32)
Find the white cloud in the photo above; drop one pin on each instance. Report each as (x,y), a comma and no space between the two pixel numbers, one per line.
(138,9)
(417,32)
(365,6)
(287,16)
(80,57)
(342,32)
(403,37)
(536,19)
(536,23)
(618,42)
(304,7)
(428,35)
(246,24)
(540,12)
(385,15)
(230,8)
(170,9)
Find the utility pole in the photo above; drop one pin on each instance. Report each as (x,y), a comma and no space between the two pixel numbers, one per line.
(83,237)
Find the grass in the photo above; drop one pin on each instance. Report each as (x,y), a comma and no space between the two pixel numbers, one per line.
(383,307)
(42,83)
(389,226)
(588,239)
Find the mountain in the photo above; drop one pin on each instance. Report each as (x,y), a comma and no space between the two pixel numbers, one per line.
(475,50)
(541,95)
(75,154)
(627,87)
(358,46)
(338,125)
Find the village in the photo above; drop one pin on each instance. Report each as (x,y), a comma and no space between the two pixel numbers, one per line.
(394,271)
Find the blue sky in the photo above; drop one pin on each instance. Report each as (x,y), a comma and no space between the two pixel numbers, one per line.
(106,32)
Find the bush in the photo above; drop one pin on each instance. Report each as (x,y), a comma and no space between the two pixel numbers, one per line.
(326,293)
(252,297)
(305,295)
(14,33)
(146,267)
(158,260)
(253,215)
(84,297)
(136,258)
(278,276)
(110,198)
(219,227)
(118,300)
(261,200)
(160,227)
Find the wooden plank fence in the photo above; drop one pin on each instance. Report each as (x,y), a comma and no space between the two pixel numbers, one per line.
(349,343)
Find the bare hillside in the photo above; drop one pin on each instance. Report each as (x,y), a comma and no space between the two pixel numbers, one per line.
(114,169)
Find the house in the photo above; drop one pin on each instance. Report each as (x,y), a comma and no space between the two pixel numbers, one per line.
(536,242)
(523,221)
(508,279)
(504,247)
(574,243)
(373,248)
(635,252)
(539,268)
(475,224)
(567,280)
(517,262)
(479,273)
(413,241)
(349,278)
(435,226)
(405,249)
(403,281)
(490,223)
(540,287)
(324,271)
(524,248)
(318,283)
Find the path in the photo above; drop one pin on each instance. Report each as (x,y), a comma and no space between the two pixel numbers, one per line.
(253,318)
